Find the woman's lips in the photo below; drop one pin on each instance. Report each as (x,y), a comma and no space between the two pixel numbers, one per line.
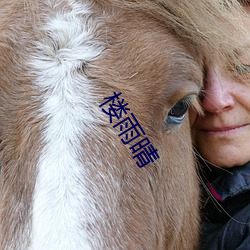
(225,130)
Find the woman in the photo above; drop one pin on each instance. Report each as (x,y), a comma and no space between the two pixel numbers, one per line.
(222,140)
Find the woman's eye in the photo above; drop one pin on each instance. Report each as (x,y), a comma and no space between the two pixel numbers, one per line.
(242,69)
(177,113)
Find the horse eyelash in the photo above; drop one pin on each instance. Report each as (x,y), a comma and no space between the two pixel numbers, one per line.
(195,105)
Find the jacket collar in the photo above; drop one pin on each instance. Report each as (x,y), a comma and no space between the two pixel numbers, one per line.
(225,184)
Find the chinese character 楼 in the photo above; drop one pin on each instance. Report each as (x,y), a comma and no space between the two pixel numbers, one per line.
(115,110)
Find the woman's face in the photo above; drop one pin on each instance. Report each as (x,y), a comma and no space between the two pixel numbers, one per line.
(222,135)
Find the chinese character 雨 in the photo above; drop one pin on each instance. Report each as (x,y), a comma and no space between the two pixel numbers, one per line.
(129,129)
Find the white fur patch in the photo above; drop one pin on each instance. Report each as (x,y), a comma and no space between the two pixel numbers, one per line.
(61,203)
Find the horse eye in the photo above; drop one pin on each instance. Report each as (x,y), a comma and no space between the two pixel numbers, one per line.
(178,112)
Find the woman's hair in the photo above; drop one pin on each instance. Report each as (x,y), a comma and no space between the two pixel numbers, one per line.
(208,25)
(244,2)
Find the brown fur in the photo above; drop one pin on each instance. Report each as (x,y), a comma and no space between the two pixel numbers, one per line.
(154,55)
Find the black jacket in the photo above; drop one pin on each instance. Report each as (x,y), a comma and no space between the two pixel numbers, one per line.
(226,211)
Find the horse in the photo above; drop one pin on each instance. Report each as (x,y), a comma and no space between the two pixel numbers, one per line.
(96,151)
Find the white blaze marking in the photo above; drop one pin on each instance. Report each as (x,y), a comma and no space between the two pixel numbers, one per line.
(61,203)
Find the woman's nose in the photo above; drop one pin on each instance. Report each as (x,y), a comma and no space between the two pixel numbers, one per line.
(217,93)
